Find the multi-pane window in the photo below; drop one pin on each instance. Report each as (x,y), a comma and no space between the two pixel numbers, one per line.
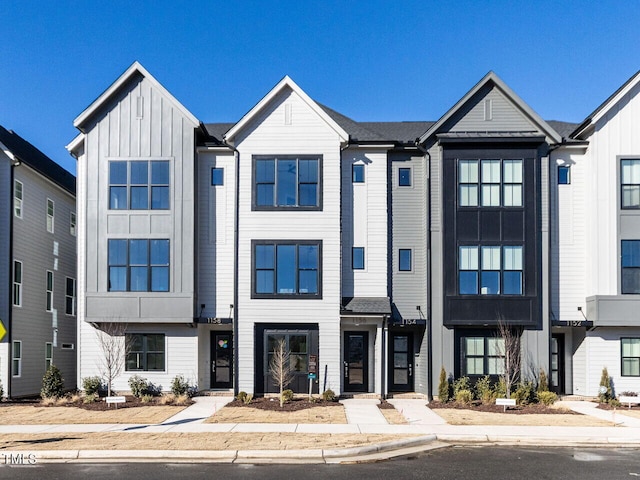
(217,176)
(145,352)
(17,283)
(138,265)
(404,259)
(490,270)
(630,266)
(564,175)
(357,258)
(50,215)
(70,297)
(357,173)
(48,355)
(297,344)
(490,183)
(72,224)
(630,354)
(139,185)
(17,198)
(287,182)
(49,281)
(16,358)
(630,182)
(482,355)
(287,269)
(404,177)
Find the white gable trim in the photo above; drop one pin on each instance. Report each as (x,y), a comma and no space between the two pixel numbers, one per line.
(8,153)
(75,144)
(286,82)
(115,86)
(491,77)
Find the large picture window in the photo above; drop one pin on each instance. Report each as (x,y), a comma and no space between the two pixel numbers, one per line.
(287,183)
(630,266)
(630,182)
(630,354)
(482,355)
(145,352)
(138,265)
(139,185)
(287,269)
(490,182)
(490,270)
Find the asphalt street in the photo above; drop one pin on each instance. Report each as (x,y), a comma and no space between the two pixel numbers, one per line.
(459,463)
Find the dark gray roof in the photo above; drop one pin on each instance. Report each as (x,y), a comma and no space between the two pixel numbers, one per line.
(403,132)
(563,128)
(217,130)
(34,158)
(367,305)
(356,130)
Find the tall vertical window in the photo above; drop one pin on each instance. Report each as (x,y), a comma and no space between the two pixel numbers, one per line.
(287,182)
(49,305)
(217,176)
(17,198)
(490,270)
(48,355)
(139,185)
(404,177)
(630,266)
(16,358)
(145,352)
(357,258)
(17,283)
(357,173)
(404,259)
(72,224)
(630,356)
(138,265)
(630,180)
(490,182)
(286,268)
(70,297)
(50,215)
(564,175)
(482,355)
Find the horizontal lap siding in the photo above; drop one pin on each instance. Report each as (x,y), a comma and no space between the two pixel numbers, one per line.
(6,263)
(505,116)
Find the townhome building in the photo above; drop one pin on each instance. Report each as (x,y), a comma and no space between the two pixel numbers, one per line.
(38,265)
(379,252)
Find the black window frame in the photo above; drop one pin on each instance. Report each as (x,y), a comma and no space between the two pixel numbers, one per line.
(409,178)
(214,180)
(357,173)
(275,243)
(143,354)
(400,251)
(564,179)
(150,185)
(275,207)
(481,182)
(633,267)
(502,270)
(149,265)
(70,296)
(361,265)
(636,186)
(622,357)
(486,355)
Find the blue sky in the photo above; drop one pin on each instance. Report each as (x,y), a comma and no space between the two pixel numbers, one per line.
(374,60)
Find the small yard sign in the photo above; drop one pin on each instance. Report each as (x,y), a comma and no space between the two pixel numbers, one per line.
(506,402)
(115,400)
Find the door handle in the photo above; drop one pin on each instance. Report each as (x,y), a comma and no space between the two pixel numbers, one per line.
(346,369)
(213,366)
(411,370)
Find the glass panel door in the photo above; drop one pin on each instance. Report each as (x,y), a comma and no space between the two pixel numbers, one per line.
(401,362)
(221,360)
(356,361)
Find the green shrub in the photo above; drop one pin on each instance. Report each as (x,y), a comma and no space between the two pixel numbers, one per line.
(525,393)
(329,396)
(462,383)
(287,395)
(604,394)
(543,382)
(547,397)
(443,386)
(241,397)
(1,392)
(146,398)
(247,400)
(484,391)
(52,383)
(500,389)
(464,396)
(179,386)
(91,398)
(139,386)
(614,402)
(92,385)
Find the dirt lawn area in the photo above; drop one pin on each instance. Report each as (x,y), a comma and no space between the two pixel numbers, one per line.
(36,415)
(334,414)
(456,416)
(630,412)
(188,441)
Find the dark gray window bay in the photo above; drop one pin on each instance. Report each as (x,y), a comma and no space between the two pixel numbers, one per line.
(631,266)
(287,183)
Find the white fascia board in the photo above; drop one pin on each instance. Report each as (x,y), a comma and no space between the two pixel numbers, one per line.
(136,67)
(604,108)
(284,83)
(374,145)
(75,144)
(8,153)
(497,81)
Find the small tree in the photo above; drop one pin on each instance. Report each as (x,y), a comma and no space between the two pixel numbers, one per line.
(508,348)
(605,393)
(443,386)
(52,383)
(114,349)
(543,382)
(280,369)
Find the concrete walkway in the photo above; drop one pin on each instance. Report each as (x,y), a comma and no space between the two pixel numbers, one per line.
(617,416)
(363,411)
(416,412)
(202,408)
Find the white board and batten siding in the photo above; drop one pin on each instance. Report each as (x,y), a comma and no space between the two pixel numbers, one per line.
(289,126)
(364,223)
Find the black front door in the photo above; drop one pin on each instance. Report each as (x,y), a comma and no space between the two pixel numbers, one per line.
(356,364)
(401,362)
(556,382)
(221,360)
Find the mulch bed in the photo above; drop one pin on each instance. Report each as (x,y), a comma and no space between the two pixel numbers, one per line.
(624,406)
(264,403)
(536,408)
(384,405)
(99,405)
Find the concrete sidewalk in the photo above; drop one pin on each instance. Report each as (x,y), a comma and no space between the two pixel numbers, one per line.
(427,429)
